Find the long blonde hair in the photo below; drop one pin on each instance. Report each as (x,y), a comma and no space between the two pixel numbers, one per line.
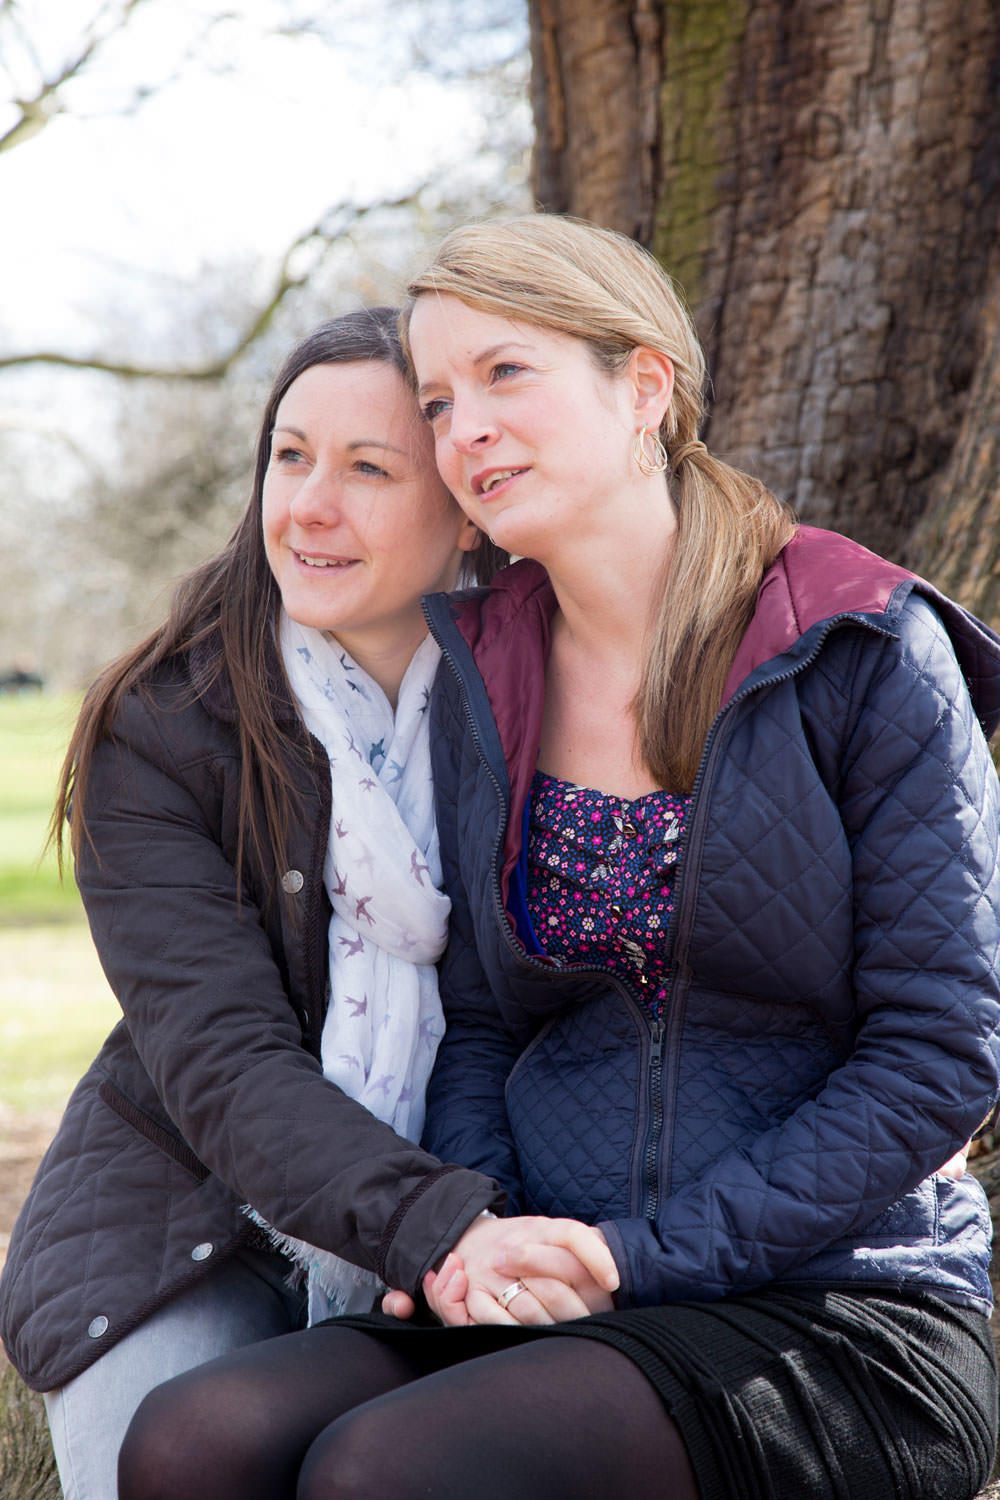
(600,287)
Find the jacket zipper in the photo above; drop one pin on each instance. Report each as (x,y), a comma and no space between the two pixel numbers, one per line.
(314,1007)
(553,966)
(655,1030)
(652,1184)
(663,1035)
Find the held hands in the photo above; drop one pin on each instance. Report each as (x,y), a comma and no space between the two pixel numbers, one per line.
(526,1270)
(553,1269)
(566,1269)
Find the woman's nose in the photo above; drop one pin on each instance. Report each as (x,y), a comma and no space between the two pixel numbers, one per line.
(317,501)
(471,427)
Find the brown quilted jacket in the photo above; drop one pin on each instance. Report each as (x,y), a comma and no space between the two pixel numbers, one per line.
(209,1094)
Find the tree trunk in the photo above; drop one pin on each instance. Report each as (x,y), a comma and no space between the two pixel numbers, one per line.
(823,179)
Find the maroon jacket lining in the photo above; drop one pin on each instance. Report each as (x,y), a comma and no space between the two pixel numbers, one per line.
(818,574)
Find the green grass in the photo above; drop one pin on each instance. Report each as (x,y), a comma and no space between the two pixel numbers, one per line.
(34,731)
(55,1005)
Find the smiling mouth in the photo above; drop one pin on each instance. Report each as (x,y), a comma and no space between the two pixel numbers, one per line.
(492,481)
(325,562)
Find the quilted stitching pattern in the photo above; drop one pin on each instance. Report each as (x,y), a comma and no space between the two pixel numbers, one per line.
(218,994)
(126,1218)
(724,1092)
(916,993)
(574,1125)
(835,1001)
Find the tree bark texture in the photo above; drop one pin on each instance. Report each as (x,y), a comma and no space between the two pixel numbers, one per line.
(823,179)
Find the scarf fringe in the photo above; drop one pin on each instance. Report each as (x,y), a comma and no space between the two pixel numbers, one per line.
(342,1286)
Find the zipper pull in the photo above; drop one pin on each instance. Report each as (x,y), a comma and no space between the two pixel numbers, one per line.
(656,1045)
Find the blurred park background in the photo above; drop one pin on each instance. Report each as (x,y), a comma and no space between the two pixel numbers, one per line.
(187,186)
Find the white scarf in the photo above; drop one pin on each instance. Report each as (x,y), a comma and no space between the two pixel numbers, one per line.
(383,874)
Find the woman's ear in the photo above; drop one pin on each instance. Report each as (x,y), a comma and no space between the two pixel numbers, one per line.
(469,536)
(652,380)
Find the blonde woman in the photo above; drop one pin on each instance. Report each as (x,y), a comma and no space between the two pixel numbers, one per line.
(719,824)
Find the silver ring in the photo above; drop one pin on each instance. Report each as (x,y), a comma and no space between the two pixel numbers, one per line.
(508,1294)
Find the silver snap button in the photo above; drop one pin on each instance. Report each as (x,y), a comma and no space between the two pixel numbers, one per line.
(292,882)
(202,1252)
(98,1327)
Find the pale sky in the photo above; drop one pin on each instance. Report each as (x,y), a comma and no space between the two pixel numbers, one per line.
(213,166)
(148,232)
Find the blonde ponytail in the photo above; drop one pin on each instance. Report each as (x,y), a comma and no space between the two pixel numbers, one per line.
(730,528)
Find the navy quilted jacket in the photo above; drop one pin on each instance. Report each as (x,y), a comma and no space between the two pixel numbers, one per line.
(830,1035)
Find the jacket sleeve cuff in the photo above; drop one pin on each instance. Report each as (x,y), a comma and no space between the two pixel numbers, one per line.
(611,1232)
(430,1219)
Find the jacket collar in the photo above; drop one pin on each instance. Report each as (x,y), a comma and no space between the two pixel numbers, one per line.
(507,629)
(818,577)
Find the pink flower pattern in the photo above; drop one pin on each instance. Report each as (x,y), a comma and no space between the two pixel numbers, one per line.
(601,877)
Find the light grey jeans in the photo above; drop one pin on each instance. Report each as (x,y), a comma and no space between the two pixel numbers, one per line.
(239,1302)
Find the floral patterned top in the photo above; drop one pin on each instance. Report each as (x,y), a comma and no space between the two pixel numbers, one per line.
(600,878)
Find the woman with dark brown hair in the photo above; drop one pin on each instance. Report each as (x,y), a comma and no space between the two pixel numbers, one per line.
(252,825)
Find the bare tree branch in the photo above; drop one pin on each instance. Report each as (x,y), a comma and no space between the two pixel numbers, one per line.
(43,106)
(331,227)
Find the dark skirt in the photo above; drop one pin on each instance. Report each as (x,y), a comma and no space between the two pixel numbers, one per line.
(783,1395)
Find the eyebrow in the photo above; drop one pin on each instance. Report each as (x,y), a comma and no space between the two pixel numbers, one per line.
(375,443)
(479,359)
(351,447)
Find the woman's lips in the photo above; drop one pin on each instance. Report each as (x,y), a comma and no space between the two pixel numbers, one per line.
(490,482)
(317,563)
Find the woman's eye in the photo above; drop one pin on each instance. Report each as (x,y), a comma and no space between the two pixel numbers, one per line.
(504,369)
(434,409)
(286,455)
(364,467)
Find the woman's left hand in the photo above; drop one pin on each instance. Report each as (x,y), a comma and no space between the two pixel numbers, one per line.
(526,1270)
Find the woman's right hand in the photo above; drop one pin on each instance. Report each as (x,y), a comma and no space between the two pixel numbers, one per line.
(955,1166)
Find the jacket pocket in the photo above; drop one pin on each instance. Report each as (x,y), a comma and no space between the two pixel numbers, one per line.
(913,1219)
(172,1145)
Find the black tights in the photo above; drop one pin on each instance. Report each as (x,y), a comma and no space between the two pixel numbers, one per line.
(334,1412)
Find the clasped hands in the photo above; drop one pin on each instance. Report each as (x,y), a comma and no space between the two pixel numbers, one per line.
(524,1270)
(530,1270)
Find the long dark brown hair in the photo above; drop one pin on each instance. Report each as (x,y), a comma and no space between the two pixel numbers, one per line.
(226,609)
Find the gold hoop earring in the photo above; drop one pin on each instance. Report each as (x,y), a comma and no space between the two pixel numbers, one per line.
(652,459)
